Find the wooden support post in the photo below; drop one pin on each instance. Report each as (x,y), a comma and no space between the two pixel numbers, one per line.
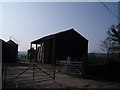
(86,62)
(54,56)
(43,57)
(84,65)
(30,51)
(118,12)
(36,52)
(5,75)
(33,71)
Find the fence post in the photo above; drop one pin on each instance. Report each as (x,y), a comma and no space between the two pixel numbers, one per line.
(5,67)
(33,72)
(54,73)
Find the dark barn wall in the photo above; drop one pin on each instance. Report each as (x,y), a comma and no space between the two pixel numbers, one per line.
(8,53)
(0,51)
(5,52)
(14,50)
(48,51)
(61,45)
(70,44)
(67,44)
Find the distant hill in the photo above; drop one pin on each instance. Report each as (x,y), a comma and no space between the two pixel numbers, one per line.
(22,53)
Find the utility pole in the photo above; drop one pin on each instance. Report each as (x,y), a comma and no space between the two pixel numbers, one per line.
(118,12)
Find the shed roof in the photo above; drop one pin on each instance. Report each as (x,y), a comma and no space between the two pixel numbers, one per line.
(11,42)
(60,34)
(4,43)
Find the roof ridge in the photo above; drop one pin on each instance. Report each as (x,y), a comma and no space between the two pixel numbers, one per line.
(57,34)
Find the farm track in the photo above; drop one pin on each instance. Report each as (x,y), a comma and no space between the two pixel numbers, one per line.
(42,80)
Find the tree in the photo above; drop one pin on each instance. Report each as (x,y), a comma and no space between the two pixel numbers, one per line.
(111,45)
(112,42)
(107,46)
(114,33)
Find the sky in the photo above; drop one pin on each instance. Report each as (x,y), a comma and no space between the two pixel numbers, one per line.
(28,21)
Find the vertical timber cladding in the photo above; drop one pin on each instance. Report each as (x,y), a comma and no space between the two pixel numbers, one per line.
(48,51)
(40,53)
(71,44)
(7,53)
(1,64)
(0,51)
(61,45)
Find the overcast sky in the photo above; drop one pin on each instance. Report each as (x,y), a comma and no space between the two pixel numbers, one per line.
(27,21)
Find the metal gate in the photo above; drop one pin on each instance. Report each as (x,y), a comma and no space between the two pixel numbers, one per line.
(26,74)
(75,67)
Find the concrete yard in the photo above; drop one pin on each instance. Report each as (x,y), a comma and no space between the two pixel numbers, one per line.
(61,80)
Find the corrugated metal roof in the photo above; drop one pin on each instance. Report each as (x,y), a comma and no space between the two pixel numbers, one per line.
(60,34)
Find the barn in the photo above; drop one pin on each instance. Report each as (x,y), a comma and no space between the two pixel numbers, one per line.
(9,51)
(59,46)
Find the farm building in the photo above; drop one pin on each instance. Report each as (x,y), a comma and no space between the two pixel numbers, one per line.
(0,50)
(60,46)
(31,54)
(9,51)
